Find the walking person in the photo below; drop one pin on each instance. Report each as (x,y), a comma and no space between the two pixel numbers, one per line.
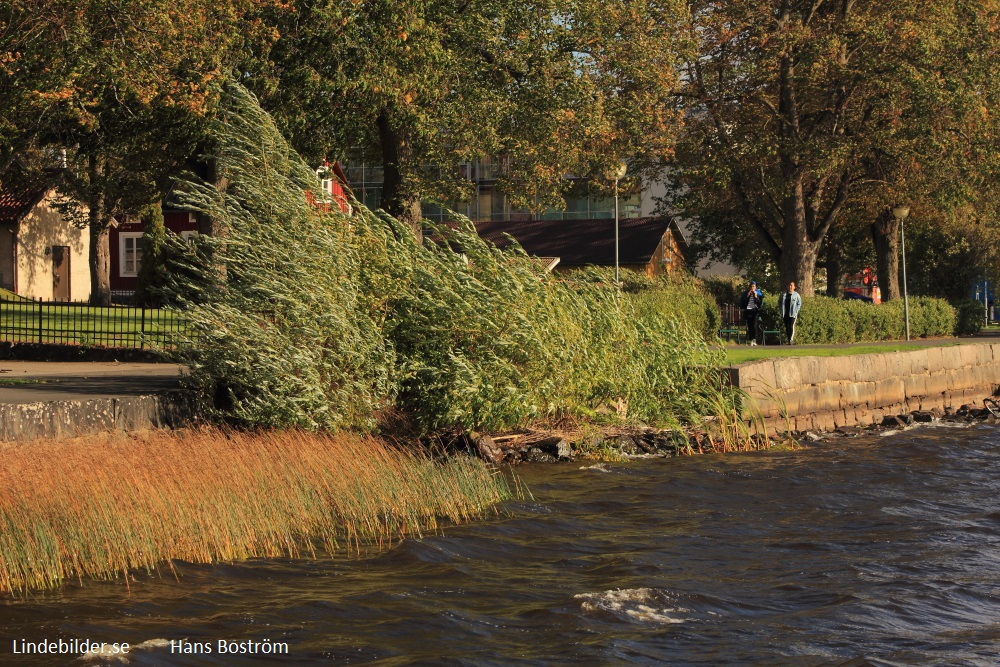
(789,304)
(751,304)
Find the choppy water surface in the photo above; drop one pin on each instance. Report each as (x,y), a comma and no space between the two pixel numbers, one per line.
(877,551)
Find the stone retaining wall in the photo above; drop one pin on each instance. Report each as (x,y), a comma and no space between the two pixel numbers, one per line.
(67,419)
(823,393)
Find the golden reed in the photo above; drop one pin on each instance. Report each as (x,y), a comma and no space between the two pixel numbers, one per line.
(102,506)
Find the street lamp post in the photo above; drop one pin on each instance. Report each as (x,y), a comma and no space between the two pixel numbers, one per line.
(900,212)
(986,302)
(619,174)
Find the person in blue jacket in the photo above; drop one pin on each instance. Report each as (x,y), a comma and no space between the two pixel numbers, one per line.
(751,303)
(789,304)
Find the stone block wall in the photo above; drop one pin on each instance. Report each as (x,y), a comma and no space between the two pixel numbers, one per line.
(823,393)
(69,419)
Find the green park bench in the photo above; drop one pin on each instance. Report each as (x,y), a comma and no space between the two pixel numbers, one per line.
(733,326)
(732,323)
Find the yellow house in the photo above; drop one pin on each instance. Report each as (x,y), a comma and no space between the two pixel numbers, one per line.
(42,254)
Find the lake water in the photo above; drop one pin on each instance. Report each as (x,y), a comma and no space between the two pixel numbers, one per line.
(854,551)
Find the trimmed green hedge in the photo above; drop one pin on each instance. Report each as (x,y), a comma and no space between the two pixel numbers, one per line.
(683,297)
(726,289)
(826,320)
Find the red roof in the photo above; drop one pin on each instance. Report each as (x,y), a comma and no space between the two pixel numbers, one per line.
(581,242)
(17,200)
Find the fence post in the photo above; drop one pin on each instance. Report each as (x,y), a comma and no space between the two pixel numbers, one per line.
(39,320)
(142,329)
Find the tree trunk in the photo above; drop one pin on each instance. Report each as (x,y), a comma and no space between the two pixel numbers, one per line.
(100,266)
(98,221)
(798,265)
(207,224)
(834,272)
(397,156)
(797,262)
(885,238)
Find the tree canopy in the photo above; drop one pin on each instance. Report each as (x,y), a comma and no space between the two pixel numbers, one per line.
(122,87)
(552,87)
(804,113)
(801,121)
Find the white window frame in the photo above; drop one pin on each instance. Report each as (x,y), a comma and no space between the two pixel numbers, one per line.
(122,238)
(189,236)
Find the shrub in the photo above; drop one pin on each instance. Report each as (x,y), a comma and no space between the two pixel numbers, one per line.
(152,270)
(969,317)
(827,320)
(874,322)
(930,316)
(726,290)
(821,320)
(685,297)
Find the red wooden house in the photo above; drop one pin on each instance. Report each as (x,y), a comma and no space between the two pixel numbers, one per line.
(126,239)
(126,247)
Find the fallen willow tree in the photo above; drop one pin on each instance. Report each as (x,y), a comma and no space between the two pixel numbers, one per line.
(309,318)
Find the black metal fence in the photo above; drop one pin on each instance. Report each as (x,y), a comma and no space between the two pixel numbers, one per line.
(25,320)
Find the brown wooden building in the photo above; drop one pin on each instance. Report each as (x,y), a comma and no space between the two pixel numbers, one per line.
(653,246)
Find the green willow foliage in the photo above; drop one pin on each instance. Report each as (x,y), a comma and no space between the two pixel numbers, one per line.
(315,319)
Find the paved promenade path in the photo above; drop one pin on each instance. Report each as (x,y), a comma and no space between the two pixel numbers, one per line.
(41,381)
(991,336)
(743,353)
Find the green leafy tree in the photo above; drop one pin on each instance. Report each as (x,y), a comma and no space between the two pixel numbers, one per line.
(802,113)
(123,87)
(553,87)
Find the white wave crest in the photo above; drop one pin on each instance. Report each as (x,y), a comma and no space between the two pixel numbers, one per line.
(647,605)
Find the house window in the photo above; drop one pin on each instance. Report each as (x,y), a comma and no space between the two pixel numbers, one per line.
(189,237)
(130,253)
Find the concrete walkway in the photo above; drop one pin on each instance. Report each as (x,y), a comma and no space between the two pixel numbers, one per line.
(44,381)
(990,336)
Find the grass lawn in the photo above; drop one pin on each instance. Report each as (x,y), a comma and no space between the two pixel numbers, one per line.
(738,354)
(80,324)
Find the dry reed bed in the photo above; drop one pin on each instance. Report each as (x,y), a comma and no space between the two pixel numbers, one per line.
(102,506)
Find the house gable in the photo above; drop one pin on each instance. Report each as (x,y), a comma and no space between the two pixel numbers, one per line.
(47,255)
(649,245)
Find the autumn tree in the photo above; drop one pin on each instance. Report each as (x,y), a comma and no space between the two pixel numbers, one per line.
(796,107)
(946,256)
(554,87)
(121,87)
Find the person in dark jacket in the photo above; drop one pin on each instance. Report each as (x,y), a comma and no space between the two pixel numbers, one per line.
(789,304)
(751,303)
